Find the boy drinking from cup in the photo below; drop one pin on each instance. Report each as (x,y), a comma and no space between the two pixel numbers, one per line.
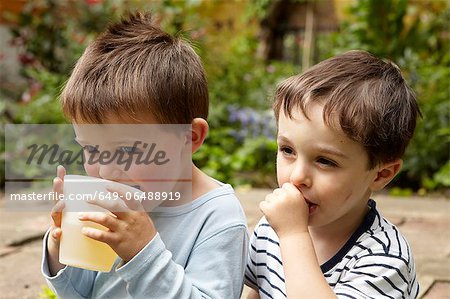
(134,74)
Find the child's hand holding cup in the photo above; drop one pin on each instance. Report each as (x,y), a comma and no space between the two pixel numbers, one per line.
(76,249)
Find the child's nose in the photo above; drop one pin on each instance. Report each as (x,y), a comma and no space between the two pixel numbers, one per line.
(109,172)
(300,175)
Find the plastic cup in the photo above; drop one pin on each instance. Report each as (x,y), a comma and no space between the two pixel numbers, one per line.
(76,249)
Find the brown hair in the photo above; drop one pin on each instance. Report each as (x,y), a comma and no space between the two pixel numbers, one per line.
(135,68)
(368,96)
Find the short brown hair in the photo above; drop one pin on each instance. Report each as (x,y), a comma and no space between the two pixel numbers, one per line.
(368,96)
(135,68)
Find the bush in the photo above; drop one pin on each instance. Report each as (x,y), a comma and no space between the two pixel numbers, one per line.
(427,158)
(241,147)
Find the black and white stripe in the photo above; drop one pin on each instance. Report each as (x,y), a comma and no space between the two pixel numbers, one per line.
(376,262)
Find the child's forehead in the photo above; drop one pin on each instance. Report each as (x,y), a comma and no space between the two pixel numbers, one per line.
(114,129)
(125,133)
(314,135)
(312,110)
(123,118)
(114,133)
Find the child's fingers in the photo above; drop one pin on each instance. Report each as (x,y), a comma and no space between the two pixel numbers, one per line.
(54,238)
(289,187)
(268,205)
(60,172)
(270,197)
(128,195)
(264,207)
(58,186)
(58,189)
(58,207)
(107,220)
(277,191)
(56,233)
(99,235)
(56,213)
(58,182)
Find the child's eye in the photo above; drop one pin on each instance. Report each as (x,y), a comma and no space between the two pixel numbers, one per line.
(286,150)
(91,149)
(326,162)
(129,149)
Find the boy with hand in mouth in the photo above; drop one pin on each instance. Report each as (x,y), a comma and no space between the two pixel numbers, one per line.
(343,126)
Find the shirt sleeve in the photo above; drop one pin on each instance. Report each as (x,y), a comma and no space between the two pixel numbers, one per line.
(215,269)
(69,282)
(376,276)
(250,269)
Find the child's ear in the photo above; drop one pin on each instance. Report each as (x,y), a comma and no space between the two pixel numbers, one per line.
(386,173)
(199,131)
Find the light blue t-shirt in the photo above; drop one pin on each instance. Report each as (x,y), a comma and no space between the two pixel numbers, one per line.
(199,252)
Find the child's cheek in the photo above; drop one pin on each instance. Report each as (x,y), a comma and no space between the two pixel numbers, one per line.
(141,175)
(91,169)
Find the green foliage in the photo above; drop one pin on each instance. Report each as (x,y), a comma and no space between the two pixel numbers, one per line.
(428,153)
(177,17)
(415,36)
(44,107)
(389,28)
(241,147)
(46,293)
(442,177)
(243,81)
(400,192)
(51,36)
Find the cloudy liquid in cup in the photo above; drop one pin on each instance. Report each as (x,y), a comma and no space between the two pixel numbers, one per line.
(80,251)
(76,249)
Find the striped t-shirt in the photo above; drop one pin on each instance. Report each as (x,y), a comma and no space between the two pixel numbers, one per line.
(376,262)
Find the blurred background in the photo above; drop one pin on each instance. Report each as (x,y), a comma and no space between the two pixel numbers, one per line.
(247,47)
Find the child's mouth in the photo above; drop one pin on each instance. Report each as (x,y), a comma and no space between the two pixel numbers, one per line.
(311,206)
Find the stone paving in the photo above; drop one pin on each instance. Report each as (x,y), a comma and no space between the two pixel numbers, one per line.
(424,222)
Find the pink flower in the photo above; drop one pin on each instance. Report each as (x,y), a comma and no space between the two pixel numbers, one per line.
(270,69)
(17,41)
(32,90)
(26,97)
(26,58)
(79,38)
(197,34)
(93,2)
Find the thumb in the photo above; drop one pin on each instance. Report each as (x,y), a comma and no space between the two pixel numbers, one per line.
(264,206)
(56,233)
